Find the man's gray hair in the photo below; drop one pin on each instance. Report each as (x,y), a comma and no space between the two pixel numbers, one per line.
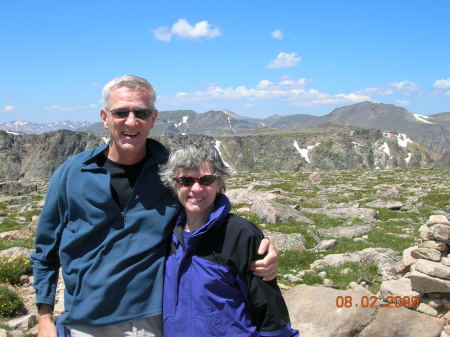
(190,156)
(132,82)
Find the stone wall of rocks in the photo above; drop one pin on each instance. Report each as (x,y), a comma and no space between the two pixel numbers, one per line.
(426,269)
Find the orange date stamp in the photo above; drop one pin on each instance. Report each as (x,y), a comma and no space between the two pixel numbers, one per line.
(372,302)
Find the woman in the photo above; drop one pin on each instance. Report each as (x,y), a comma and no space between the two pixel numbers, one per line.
(208,287)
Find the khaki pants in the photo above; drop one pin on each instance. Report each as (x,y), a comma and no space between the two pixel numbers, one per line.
(147,327)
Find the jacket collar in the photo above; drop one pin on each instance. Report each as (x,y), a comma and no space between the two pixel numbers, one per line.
(154,150)
(217,218)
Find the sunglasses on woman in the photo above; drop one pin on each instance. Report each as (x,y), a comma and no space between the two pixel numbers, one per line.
(205,180)
(140,113)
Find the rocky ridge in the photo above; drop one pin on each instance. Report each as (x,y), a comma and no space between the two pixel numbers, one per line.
(32,157)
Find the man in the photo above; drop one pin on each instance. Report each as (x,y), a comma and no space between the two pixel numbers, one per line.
(106,222)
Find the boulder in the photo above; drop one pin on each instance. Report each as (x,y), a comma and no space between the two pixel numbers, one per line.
(427,284)
(407,258)
(433,269)
(394,288)
(272,212)
(438,219)
(314,311)
(440,246)
(426,253)
(440,232)
(402,322)
(15,252)
(388,204)
(22,323)
(326,244)
(383,258)
(366,214)
(345,231)
(283,241)
(248,196)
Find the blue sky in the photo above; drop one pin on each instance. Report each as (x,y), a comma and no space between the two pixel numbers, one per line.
(255,58)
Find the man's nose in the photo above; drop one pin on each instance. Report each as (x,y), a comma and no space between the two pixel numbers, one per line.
(131,118)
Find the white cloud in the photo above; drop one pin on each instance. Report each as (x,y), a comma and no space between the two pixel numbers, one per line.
(405,87)
(300,83)
(284,60)
(263,84)
(95,85)
(8,108)
(381,91)
(248,106)
(277,34)
(70,107)
(352,97)
(402,102)
(442,84)
(162,34)
(184,30)
(287,89)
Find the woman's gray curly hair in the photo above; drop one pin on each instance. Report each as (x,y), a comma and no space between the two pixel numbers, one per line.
(190,156)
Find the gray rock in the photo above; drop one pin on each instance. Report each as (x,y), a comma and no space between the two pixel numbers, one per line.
(345,271)
(407,258)
(394,205)
(434,269)
(445,261)
(394,288)
(272,212)
(16,252)
(438,219)
(402,322)
(247,196)
(366,214)
(426,309)
(426,253)
(440,246)
(440,232)
(327,282)
(16,333)
(283,241)
(22,323)
(383,258)
(427,284)
(435,303)
(345,231)
(322,274)
(314,312)
(292,278)
(326,244)
(17,187)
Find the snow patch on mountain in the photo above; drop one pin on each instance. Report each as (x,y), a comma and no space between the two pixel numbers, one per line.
(217,146)
(304,152)
(422,118)
(403,140)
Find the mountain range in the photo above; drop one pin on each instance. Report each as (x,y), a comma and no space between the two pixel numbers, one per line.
(431,130)
(23,127)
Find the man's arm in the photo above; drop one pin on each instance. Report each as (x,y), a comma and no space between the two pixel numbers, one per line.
(267,267)
(46,327)
(45,259)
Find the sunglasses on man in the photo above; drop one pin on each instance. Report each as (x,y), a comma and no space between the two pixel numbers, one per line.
(140,113)
(205,180)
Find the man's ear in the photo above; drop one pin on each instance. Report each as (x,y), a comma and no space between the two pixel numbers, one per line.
(104,117)
(154,116)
